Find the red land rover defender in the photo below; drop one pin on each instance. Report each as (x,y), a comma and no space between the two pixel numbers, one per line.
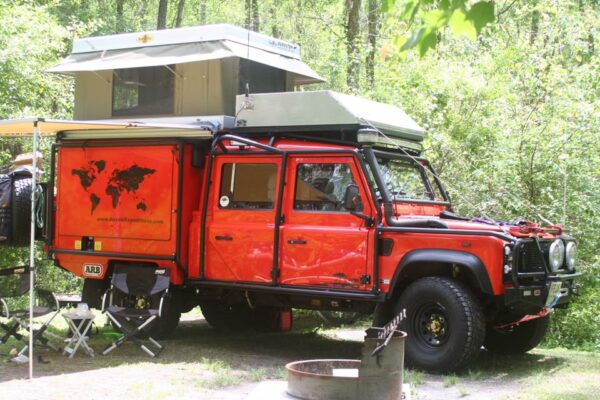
(310,200)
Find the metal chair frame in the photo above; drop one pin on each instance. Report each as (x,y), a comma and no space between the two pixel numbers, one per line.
(133,327)
(17,321)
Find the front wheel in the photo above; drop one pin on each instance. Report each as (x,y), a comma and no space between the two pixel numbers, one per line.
(517,339)
(444,322)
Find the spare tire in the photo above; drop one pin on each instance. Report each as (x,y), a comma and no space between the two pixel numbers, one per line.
(21,212)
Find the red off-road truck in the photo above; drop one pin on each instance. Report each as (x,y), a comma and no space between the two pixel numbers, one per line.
(311,201)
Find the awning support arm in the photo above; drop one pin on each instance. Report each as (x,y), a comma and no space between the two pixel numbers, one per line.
(101,77)
(180,76)
(32,271)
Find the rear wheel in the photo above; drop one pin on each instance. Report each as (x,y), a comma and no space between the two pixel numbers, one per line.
(516,339)
(171,314)
(444,322)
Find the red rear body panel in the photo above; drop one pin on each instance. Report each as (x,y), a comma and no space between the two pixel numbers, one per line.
(125,197)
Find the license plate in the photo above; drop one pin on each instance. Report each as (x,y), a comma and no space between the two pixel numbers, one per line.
(552,292)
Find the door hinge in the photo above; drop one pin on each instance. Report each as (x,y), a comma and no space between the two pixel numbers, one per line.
(365,279)
(282,219)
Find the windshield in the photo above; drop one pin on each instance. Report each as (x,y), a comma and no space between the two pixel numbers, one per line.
(406,180)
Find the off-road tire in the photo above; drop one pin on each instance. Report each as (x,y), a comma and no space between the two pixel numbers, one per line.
(171,314)
(517,339)
(21,212)
(448,308)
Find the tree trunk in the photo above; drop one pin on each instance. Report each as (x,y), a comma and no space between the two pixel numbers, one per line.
(535,24)
(180,9)
(373,33)
(352,32)
(203,15)
(248,10)
(255,16)
(275,32)
(161,21)
(120,25)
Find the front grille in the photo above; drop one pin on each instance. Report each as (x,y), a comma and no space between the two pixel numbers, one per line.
(530,258)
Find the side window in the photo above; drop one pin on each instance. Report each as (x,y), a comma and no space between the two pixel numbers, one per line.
(248,186)
(143,91)
(321,187)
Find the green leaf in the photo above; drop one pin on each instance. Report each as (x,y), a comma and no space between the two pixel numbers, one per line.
(413,40)
(410,10)
(461,26)
(481,14)
(434,18)
(387,5)
(429,41)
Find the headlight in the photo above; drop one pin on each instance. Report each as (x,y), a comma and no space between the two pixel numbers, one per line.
(570,255)
(556,254)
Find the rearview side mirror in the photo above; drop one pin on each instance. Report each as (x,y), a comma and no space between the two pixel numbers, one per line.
(352,198)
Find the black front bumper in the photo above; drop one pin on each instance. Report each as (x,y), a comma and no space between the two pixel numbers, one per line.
(532,298)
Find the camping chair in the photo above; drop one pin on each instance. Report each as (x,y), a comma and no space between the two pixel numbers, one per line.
(14,285)
(139,292)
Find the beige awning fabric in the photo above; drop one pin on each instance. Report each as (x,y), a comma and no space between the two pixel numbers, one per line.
(183,53)
(25,127)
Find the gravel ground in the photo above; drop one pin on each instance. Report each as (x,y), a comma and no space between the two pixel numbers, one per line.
(203,364)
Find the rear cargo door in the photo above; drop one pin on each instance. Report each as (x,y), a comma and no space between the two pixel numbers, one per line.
(240,219)
(124,197)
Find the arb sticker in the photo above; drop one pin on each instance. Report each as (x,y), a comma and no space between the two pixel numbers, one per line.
(92,269)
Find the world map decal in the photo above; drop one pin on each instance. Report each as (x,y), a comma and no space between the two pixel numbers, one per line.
(120,182)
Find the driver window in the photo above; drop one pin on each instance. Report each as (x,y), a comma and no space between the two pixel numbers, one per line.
(322,187)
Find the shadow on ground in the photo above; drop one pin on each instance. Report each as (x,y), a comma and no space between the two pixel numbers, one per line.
(195,341)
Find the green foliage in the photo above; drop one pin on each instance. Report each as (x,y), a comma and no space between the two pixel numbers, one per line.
(429,17)
(30,41)
(577,326)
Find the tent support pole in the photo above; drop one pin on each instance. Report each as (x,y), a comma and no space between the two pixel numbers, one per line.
(32,246)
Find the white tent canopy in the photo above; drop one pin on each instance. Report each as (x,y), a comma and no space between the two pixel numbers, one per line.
(185,45)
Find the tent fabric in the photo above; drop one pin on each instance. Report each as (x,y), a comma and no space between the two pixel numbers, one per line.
(183,53)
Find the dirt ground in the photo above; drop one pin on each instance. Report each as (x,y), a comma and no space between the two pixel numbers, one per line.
(202,363)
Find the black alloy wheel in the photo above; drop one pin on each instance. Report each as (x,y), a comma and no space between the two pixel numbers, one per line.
(431,325)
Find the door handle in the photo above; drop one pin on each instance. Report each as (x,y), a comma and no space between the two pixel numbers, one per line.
(296,241)
(224,237)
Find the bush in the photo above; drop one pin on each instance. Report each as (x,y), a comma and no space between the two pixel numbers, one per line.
(578,326)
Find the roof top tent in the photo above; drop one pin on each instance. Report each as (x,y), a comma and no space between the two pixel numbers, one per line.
(328,114)
(179,75)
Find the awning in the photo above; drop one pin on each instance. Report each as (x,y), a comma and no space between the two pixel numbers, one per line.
(25,127)
(183,53)
(105,129)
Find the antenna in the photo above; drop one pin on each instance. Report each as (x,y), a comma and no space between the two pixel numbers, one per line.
(247,66)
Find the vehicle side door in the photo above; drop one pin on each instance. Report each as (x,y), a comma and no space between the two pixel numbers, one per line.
(322,243)
(240,218)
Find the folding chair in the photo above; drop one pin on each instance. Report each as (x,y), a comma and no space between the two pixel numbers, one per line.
(135,289)
(14,285)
